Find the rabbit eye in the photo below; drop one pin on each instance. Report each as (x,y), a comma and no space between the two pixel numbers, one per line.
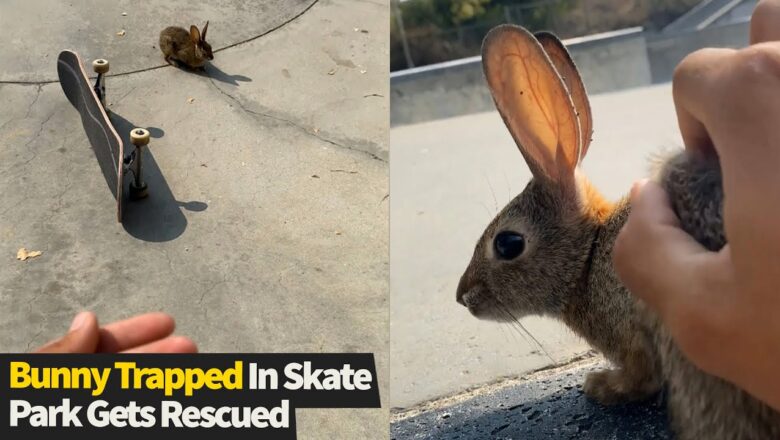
(509,245)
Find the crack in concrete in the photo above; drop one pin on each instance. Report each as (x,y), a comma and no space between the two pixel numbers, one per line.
(2,126)
(40,129)
(27,144)
(12,207)
(160,66)
(27,147)
(163,254)
(40,327)
(37,95)
(295,125)
(122,97)
(210,289)
(29,344)
(29,108)
(58,204)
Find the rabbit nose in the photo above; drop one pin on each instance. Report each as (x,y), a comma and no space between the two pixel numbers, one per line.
(463,287)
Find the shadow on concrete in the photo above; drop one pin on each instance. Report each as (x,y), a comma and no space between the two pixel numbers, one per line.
(216,73)
(158,217)
(212,71)
(530,412)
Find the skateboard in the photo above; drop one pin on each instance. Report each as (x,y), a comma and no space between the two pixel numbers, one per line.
(90,101)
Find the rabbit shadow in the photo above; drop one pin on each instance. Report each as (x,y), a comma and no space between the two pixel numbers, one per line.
(214,72)
(157,217)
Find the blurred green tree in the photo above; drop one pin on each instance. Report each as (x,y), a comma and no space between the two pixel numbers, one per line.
(441,30)
(467,10)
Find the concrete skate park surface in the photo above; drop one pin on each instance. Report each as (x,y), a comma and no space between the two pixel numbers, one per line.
(448,179)
(266,225)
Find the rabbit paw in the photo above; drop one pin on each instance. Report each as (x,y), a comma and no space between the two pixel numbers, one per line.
(610,387)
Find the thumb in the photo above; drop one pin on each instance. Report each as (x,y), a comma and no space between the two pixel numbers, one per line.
(82,337)
(653,256)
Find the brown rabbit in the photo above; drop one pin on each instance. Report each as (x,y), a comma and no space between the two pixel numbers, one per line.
(188,48)
(548,252)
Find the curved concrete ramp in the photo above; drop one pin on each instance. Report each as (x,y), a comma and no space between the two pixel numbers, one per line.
(92,31)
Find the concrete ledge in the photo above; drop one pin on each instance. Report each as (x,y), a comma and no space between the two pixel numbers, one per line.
(666,50)
(609,61)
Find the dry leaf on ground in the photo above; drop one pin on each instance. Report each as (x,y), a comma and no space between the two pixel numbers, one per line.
(23,254)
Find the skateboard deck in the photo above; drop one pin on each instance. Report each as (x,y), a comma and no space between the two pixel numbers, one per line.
(106,143)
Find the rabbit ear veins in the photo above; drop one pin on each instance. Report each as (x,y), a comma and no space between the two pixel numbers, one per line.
(571,78)
(205,28)
(194,34)
(533,101)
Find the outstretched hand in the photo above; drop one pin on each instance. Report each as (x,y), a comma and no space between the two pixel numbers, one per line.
(147,333)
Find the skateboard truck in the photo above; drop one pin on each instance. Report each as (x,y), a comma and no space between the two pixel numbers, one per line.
(138,136)
(138,188)
(100,66)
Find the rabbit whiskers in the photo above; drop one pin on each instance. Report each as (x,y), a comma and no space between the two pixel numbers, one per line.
(515,324)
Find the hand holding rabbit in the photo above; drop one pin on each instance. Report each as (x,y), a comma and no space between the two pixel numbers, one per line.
(721,307)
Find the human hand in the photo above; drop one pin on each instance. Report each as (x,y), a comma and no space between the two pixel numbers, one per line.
(721,307)
(147,333)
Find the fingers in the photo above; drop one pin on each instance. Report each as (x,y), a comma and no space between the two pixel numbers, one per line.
(134,332)
(652,243)
(765,24)
(82,337)
(686,284)
(171,344)
(695,92)
(147,333)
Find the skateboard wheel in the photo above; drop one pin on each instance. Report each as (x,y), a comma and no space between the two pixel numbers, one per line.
(138,193)
(139,136)
(100,65)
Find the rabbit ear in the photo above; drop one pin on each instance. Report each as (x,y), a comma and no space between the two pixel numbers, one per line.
(571,78)
(533,101)
(205,29)
(194,34)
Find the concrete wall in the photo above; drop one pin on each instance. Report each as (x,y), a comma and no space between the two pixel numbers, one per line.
(607,62)
(610,61)
(438,91)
